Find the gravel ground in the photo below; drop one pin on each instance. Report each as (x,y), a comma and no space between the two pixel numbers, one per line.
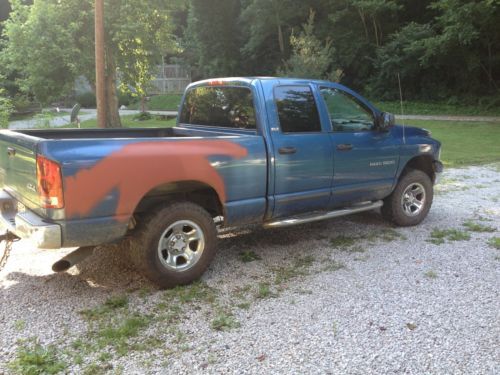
(349,296)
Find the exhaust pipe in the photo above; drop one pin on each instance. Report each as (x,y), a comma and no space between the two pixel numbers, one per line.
(72,259)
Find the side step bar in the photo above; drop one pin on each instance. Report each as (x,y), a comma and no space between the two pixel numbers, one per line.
(302,219)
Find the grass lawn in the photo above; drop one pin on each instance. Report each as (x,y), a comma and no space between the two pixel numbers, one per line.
(465,143)
(41,115)
(129,122)
(434,108)
(167,102)
(170,102)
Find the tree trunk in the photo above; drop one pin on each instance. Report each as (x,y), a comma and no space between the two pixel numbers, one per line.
(281,39)
(113,115)
(375,31)
(381,33)
(491,80)
(100,64)
(363,20)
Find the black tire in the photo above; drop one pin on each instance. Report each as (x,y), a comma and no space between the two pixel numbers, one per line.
(398,206)
(147,254)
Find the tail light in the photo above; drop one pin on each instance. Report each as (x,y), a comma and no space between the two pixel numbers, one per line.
(49,181)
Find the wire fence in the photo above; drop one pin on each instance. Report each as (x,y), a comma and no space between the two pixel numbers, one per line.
(170,79)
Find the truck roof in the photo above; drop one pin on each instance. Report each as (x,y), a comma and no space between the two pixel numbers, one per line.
(249,80)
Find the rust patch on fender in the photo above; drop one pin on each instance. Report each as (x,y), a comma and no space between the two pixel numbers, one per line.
(137,168)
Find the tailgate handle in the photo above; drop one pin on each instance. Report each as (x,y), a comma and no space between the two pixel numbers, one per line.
(11,151)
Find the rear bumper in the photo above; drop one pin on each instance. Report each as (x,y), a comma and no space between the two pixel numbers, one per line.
(28,225)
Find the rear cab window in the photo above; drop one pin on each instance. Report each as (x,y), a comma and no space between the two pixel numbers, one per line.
(221,106)
(297,110)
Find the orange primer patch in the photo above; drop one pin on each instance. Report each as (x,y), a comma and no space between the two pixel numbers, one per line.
(138,168)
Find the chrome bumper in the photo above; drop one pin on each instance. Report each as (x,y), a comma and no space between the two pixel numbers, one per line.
(27,224)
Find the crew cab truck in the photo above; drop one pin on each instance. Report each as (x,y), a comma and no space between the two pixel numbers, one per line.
(273,151)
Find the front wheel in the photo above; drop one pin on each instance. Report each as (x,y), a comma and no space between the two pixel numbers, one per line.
(175,245)
(411,201)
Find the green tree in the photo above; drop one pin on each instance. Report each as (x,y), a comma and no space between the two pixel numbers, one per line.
(358,28)
(374,16)
(5,109)
(466,44)
(401,55)
(267,26)
(51,42)
(213,36)
(311,58)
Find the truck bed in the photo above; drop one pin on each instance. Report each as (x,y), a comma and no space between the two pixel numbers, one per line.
(102,133)
(126,133)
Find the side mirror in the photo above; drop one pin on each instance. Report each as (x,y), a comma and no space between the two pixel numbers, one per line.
(386,121)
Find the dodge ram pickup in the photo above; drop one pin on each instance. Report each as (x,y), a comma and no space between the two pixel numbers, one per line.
(273,151)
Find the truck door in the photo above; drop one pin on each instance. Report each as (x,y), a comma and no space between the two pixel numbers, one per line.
(365,159)
(303,154)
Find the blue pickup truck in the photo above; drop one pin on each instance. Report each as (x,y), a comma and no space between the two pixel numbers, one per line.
(273,151)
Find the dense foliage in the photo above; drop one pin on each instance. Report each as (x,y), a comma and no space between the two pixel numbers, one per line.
(5,110)
(49,43)
(441,49)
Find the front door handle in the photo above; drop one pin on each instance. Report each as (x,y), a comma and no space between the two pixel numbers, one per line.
(287,150)
(344,147)
(11,151)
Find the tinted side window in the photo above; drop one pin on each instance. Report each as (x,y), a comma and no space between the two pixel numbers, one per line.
(229,107)
(297,109)
(346,114)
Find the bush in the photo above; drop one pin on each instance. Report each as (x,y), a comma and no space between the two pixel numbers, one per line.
(87,100)
(22,104)
(5,111)
(43,119)
(143,116)
(125,99)
(311,58)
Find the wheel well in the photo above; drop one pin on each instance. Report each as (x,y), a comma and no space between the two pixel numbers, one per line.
(191,191)
(422,163)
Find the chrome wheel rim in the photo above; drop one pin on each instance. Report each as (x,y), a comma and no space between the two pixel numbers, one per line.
(181,245)
(413,199)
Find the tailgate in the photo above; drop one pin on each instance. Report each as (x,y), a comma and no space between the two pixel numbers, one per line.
(18,166)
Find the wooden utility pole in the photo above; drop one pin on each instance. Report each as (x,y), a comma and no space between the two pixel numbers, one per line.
(100,70)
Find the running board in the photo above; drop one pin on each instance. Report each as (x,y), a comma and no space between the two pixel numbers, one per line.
(302,219)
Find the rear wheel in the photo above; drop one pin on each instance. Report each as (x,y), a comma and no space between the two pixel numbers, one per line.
(411,201)
(175,245)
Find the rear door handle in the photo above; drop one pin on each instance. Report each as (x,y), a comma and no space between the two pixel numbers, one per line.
(344,147)
(11,151)
(287,150)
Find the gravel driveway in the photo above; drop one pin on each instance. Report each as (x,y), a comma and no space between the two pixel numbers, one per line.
(345,296)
